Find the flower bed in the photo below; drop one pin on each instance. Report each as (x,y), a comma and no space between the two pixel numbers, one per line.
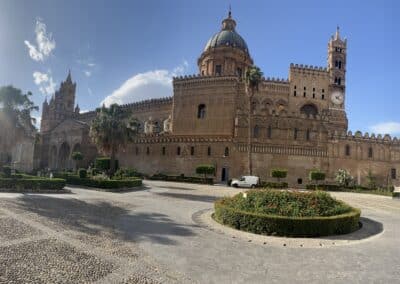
(356,189)
(182,179)
(106,184)
(24,184)
(285,213)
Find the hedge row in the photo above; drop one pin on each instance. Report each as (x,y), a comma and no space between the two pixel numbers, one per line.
(274,184)
(286,226)
(182,179)
(113,185)
(32,183)
(335,187)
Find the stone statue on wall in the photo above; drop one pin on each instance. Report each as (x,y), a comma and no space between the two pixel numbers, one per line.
(149,126)
(168,125)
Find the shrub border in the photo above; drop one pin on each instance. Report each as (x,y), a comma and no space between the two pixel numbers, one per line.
(33,184)
(286,226)
(104,185)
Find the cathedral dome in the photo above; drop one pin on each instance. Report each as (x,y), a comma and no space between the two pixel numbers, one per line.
(227,36)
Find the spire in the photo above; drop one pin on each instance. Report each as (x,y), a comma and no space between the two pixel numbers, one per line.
(230,12)
(337,35)
(69,80)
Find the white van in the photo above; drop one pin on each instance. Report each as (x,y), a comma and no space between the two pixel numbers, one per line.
(246,181)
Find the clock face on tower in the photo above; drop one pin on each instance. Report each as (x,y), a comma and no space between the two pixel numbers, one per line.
(337,98)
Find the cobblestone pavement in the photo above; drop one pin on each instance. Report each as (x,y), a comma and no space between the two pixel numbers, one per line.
(155,235)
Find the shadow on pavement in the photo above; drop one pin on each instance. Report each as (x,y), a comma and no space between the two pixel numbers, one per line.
(369,228)
(100,217)
(191,197)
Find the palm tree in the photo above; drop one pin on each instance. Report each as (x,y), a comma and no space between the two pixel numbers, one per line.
(253,79)
(111,130)
(17,106)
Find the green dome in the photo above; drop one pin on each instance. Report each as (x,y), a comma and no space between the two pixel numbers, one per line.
(227,38)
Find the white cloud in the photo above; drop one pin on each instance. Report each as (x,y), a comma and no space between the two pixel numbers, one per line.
(147,85)
(45,44)
(392,128)
(87,73)
(45,82)
(38,121)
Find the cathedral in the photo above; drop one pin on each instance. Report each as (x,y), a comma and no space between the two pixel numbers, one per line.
(298,123)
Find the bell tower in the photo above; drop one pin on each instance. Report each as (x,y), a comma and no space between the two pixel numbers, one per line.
(337,49)
(337,52)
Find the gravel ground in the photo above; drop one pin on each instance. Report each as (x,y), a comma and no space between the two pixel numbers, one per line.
(151,236)
(11,229)
(49,261)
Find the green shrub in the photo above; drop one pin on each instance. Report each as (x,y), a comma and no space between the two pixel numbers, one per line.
(287,213)
(278,173)
(104,182)
(7,171)
(123,173)
(205,170)
(77,156)
(182,178)
(274,184)
(396,194)
(104,164)
(324,187)
(34,183)
(344,178)
(82,173)
(93,171)
(317,175)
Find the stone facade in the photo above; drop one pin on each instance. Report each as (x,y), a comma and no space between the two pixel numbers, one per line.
(297,123)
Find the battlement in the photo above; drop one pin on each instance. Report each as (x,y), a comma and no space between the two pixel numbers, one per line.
(197,78)
(366,137)
(147,103)
(275,80)
(310,69)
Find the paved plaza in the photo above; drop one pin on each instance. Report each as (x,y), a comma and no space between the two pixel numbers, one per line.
(163,233)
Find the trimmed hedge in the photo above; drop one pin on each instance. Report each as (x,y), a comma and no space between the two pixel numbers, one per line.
(32,183)
(112,185)
(396,194)
(82,173)
(269,224)
(7,171)
(104,163)
(274,184)
(182,178)
(324,187)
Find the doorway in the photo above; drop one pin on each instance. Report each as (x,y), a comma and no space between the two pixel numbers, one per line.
(224,174)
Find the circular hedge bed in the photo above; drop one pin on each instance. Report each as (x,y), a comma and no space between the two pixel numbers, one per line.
(286,213)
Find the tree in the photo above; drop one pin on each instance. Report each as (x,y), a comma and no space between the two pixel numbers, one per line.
(18,106)
(205,170)
(343,178)
(278,173)
(316,175)
(77,156)
(253,78)
(112,130)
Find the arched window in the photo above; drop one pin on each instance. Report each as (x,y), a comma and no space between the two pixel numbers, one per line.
(269,132)
(178,151)
(148,150)
(209,151)
(226,152)
(218,69)
(309,109)
(201,111)
(137,151)
(370,152)
(192,150)
(295,133)
(239,72)
(308,134)
(347,150)
(163,151)
(254,107)
(256,131)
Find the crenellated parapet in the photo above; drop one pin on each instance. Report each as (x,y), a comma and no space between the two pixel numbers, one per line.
(202,80)
(308,69)
(148,104)
(365,137)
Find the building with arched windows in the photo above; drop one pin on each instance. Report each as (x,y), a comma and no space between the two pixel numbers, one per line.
(298,123)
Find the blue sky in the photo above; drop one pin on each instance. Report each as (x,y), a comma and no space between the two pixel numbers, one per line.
(128,50)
